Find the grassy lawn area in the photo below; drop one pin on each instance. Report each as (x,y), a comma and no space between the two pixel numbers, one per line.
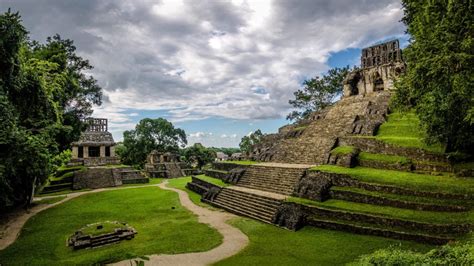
(163,226)
(342,150)
(422,182)
(270,245)
(180,183)
(212,180)
(404,129)
(392,212)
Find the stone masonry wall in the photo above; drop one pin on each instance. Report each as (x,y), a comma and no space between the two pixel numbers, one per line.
(96,178)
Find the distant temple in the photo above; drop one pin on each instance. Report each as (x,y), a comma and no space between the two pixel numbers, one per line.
(380,65)
(96,145)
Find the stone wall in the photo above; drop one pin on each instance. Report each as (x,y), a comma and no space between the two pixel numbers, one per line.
(96,178)
(225,166)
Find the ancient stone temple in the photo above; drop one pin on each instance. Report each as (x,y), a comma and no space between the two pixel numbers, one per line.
(165,165)
(96,145)
(380,65)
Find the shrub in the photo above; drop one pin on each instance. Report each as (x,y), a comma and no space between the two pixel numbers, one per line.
(451,254)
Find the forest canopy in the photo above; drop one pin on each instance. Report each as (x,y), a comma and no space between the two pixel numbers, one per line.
(44,94)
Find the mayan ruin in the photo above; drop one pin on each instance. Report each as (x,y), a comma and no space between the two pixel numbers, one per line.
(236,132)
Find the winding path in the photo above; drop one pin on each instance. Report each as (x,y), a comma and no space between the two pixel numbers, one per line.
(233,239)
(233,242)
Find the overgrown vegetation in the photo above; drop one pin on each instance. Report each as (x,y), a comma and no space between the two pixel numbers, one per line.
(252,139)
(439,82)
(393,212)
(317,93)
(44,92)
(451,254)
(403,129)
(150,134)
(342,150)
(422,182)
(198,155)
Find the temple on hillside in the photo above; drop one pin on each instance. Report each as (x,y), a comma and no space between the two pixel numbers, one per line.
(380,65)
(96,145)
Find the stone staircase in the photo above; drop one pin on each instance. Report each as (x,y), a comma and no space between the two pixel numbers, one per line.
(259,207)
(277,179)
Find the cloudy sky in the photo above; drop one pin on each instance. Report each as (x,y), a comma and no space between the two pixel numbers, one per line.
(217,69)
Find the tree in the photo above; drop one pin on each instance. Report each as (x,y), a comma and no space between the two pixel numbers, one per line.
(151,134)
(439,82)
(318,93)
(199,154)
(39,95)
(227,151)
(248,141)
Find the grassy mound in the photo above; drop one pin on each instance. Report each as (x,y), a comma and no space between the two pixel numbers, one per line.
(404,129)
(422,182)
(164,226)
(392,212)
(342,150)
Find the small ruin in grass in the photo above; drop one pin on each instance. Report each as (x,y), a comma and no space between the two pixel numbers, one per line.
(99,234)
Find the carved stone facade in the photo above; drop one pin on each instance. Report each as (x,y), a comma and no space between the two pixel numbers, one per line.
(380,65)
(165,165)
(95,146)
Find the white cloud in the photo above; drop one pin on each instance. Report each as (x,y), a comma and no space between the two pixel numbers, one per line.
(239,59)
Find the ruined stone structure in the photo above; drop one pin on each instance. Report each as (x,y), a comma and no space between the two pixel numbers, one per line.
(286,160)
(96,145)
(83,240)
(380,65)
(165,165)
(311,140)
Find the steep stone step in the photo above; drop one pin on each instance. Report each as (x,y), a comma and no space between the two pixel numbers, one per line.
(265,204)
(273,179)
(247,204)
(264,187)
(264,213)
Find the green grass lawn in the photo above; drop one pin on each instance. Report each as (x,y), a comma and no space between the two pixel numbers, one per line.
(163,226)
(422,182)
(270,245)
(212,180)
(342,150)
(404,129)
(180,183)
(392,212)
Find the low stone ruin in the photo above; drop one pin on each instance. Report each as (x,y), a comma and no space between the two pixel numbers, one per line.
(166,165)
(100,234)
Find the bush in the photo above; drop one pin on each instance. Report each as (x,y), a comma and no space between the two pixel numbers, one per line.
(451,254)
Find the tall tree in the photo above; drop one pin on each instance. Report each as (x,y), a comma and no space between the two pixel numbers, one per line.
(247,142)
(36,93)
(151,134)
(199,154)
(439,82)
(318,93)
